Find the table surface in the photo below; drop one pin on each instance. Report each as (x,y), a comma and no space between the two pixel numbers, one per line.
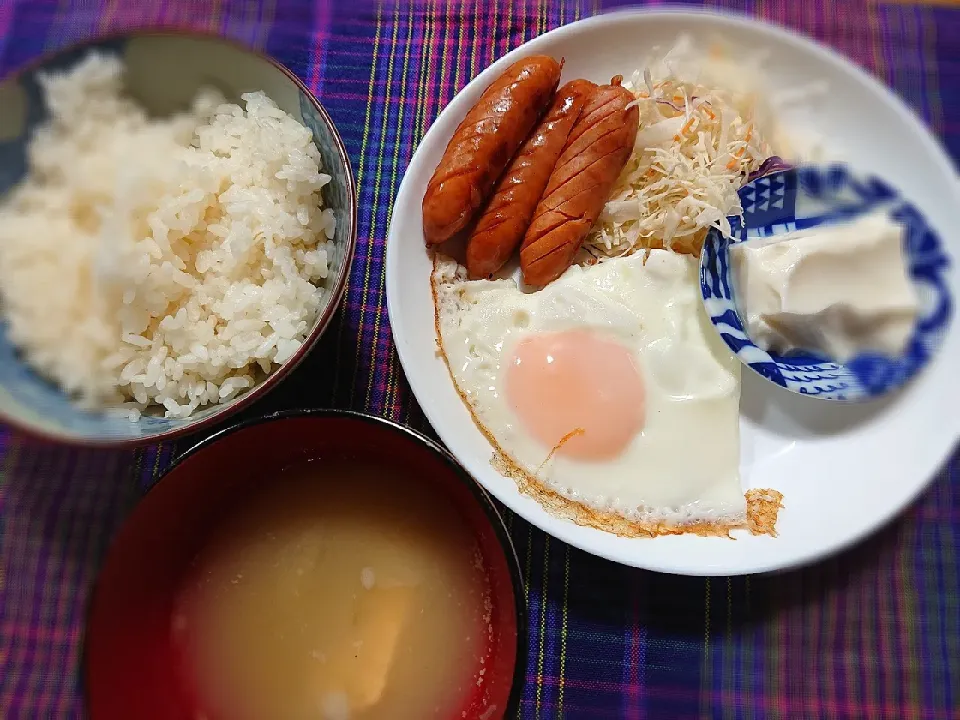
(873,633)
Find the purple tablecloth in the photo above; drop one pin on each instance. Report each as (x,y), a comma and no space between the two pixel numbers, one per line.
(873,633)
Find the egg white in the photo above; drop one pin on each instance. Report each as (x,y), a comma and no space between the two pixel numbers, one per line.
(683,467)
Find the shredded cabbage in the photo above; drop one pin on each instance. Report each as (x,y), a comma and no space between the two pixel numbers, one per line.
(703,130)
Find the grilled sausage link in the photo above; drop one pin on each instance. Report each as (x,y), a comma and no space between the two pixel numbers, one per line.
(484,143)
(596,151)
(502,225)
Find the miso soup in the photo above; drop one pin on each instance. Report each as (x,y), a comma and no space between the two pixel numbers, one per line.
(335,591)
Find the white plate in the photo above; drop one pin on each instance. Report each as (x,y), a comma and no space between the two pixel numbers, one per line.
(844,471)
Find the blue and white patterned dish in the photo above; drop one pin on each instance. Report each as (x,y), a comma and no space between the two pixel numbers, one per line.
(806,197)
(164,70)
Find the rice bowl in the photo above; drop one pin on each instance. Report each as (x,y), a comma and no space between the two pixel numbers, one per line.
(169,259)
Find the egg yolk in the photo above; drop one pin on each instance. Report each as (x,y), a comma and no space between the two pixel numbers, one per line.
(578,390)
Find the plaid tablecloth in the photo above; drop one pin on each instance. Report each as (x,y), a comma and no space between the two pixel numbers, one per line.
(873,633)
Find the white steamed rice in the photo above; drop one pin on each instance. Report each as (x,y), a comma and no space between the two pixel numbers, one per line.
(167,262)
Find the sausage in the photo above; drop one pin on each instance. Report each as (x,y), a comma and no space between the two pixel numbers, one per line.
(484,143)
(596,152)
(502,225)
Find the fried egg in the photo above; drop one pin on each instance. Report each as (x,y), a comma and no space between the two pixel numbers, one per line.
(607,388)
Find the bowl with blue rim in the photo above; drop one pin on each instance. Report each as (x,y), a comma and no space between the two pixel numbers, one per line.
(780,199)
(163,71)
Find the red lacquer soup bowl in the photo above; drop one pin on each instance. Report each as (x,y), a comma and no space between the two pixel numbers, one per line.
(133,668)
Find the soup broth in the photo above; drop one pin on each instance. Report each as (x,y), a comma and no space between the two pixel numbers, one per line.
(335,591)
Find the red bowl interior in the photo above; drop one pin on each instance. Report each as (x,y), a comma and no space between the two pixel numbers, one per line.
(129,658)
